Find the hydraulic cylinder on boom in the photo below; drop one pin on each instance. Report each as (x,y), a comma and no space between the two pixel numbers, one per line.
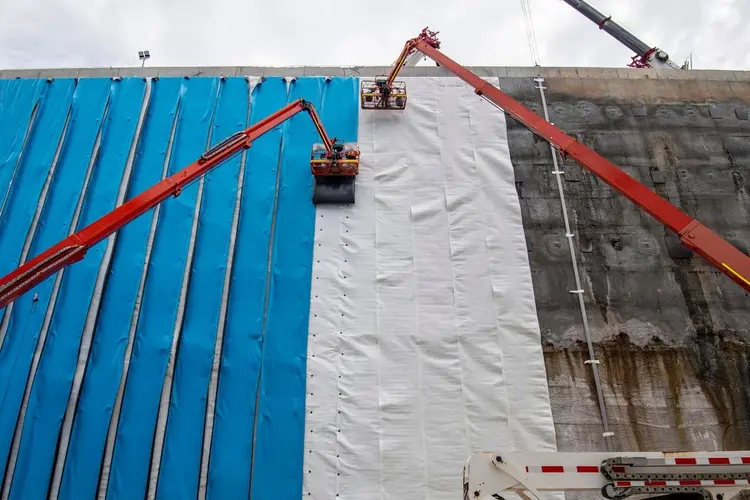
(333,164)
(693,235)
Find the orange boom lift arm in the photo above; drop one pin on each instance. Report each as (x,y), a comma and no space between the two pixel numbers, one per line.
(694,235)
(331,163)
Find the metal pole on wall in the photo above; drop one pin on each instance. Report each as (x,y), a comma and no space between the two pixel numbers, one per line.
(607,434)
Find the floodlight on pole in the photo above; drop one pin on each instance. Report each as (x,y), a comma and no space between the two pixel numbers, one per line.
(143,55)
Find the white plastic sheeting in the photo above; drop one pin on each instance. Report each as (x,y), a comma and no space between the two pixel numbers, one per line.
(424,344)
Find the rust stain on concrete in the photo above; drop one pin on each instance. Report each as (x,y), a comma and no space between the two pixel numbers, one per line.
(694,397)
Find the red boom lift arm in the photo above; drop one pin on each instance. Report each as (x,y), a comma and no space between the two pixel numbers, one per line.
(328,160)
(694,235)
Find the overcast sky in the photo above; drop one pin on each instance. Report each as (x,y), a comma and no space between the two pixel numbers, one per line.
(101,33)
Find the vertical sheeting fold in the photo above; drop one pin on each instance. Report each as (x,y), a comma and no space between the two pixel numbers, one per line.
(17,115)
(180,462)
(40,151)
(51,385)
(28,312)
(232,442)
(105,365)
(159,309)
(280,419)
(17,224)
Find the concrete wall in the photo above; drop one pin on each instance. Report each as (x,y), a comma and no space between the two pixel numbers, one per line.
(670,331)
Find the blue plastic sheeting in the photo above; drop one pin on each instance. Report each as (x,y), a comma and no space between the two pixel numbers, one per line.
(105,364)
(28,312)
(231,447)
(15,223)
(19,99)
(181,457)
(159,310)
(258,428)
(278,459)
(23,197)
(51,386)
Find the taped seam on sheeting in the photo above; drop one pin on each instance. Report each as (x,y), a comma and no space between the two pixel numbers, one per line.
(416,361)
(230,462)
(222,324)
(104,368)
(158,314)
(181,458)
(279,457)
(276,467)
(165,397)
(29,310)
(16,123)
(50,389)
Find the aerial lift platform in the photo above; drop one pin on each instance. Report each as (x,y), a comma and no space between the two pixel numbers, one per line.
(389,94)
(384,92)
(334,166)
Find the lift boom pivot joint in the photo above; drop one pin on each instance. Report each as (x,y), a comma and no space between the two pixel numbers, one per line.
(384,92)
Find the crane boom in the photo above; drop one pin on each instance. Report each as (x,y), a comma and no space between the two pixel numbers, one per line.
(331,160)
(646,56)
(694,235)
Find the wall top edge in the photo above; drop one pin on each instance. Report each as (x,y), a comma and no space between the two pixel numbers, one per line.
(370,71)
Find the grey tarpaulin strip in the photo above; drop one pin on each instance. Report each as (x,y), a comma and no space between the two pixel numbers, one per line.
(88,332)
(114,422)
(214,381)
(37,215)
(166,392)
(50,309)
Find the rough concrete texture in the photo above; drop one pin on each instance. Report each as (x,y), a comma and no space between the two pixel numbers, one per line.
(670,331)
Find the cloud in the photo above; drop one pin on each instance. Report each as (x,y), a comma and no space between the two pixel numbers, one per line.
(72,33)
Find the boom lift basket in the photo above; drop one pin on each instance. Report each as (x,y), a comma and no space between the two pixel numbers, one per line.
(334,176)
(375,94)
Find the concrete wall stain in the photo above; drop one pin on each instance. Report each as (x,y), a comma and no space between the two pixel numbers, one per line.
(672,333)
(659,397)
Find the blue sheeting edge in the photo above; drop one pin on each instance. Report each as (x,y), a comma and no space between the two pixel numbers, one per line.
(105,365)
(229,465)
(161,297)
(181,458)
(51,386)
(29,310)
(279,438)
